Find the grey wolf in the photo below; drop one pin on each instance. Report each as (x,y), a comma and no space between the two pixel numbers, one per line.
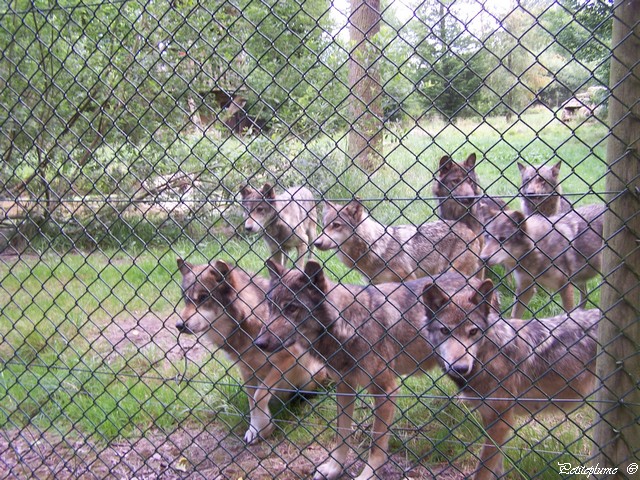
(385,253)
(509,368)
(227,306)
(367,336)
(288,220)
(540,191)
(460,196)
(553,252)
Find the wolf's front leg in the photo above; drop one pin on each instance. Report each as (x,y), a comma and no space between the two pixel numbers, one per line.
(490,466)
(304,253)
(333,468)
(383,411)
(260,425)
(525,289)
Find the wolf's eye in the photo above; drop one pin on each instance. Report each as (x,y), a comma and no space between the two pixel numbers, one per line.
(445,331)
(291,309)
(335,225)
(201,298)
(474,331)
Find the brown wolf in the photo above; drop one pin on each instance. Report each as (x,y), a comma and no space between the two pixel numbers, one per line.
(507,368)
(367,335)
(554,252)
(396,253)
(288,220)
(460,196)
(541,191)
(227,306)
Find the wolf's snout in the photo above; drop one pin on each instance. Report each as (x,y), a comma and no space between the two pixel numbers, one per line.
(267,342)
(322,243)
(250,226)
(262,343)
(485,255)
(462,369)
(182,327)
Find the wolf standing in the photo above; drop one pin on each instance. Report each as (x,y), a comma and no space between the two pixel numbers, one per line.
(288,220)
(228,307)
(367,336)
(510,367)
(384,253)
(460,196)
(540,191)
(554,252)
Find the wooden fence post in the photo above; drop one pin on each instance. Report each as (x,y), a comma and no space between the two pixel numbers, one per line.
(617,430)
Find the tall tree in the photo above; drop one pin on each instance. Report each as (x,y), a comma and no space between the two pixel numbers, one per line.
(446,52)
(365,135)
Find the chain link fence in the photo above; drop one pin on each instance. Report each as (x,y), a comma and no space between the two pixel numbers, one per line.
(156,154)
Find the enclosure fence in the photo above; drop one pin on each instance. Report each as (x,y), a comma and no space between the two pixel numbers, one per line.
(308,239)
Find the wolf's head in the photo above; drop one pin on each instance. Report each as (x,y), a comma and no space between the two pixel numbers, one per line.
(340,223)
(506,239)
(455,324)
(456,186)
(259,207)
(296,300)
(539,183)
(211,306)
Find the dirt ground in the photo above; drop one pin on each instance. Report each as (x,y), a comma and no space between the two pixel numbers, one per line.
(189,452)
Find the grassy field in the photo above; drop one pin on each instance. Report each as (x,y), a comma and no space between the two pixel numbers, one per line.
(69,366)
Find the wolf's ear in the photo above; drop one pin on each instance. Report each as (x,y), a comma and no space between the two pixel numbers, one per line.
(222,271)
(522,168)
(355,209)
(327,205)
(434,298)
(314,271)
(483,297)
(245,191)
(518,217)
(276,271)
(184,267)
(555,170)
(470,162)
(268,192)
(445,164)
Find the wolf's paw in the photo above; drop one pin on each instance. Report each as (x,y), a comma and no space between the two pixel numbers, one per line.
(253,435)
(329,470)
(367,474)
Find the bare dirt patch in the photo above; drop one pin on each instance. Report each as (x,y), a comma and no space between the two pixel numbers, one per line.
(187,453)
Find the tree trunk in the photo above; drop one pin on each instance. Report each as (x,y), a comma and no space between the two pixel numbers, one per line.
(617,431)
(365,136)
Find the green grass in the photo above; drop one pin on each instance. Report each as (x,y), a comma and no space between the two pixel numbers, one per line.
(59,375)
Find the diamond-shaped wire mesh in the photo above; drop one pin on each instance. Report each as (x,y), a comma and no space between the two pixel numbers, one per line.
(306,239)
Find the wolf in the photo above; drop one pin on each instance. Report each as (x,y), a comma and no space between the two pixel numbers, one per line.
(384,253)
(288,220)
(540,191)
(367,336)
(509,368)
(553,252)
(227,306)
(460,196)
